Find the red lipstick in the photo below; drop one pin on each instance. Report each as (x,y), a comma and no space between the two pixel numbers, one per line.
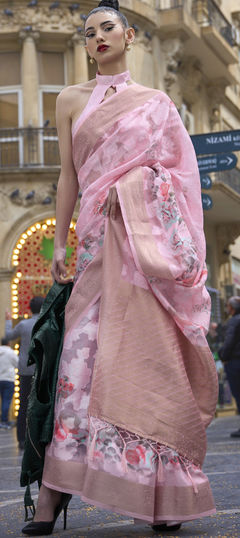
(102,48)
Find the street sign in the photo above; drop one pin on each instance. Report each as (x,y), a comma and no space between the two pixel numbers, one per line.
(220,142)
(207,202)
(215,163)
(206,182)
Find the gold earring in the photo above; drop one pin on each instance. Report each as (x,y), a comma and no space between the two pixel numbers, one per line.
(128,47)
(91,60)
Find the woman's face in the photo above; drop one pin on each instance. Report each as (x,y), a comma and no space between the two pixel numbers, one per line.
(106,38)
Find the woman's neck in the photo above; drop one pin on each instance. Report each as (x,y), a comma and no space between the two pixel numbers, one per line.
(114,68)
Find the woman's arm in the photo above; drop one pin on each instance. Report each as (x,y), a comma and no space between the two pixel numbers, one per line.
(67,191)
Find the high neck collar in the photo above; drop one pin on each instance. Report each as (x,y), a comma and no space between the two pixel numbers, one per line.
(113,80)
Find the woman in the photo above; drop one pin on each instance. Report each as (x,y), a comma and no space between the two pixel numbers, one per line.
(137,383)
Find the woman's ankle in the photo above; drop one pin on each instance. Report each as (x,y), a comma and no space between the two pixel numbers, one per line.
(48,500)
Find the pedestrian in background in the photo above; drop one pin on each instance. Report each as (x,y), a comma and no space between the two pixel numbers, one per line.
(23,330)
(230,351)
(8,363)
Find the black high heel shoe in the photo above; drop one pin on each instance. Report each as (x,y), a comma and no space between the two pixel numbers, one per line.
(165,527)
(43,528)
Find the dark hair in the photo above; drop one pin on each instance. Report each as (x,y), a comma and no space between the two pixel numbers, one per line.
(4,341)
(36,304)
(112,6)
(235,303)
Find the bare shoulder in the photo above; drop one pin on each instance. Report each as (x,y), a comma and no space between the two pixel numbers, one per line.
(74,98)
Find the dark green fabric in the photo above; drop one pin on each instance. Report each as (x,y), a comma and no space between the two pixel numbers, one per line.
(45,350)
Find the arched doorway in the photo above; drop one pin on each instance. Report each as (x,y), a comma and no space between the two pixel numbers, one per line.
(32,258)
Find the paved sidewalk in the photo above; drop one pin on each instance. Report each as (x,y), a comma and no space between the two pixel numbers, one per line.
(222,465)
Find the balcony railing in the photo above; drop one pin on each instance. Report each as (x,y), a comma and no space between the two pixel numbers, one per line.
(207,13)
(29,147)
(230,178)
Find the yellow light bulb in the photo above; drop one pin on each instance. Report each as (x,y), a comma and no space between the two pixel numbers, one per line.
(19,246)
(25,316)
(15,257)
(19,274)
(54,222)
(17,382)
(15,263)
(38,226)
(33,228)
(15,316)
(29,233)
(24,236)
(16,251)
(16,280)
(15,310)
(17,407)
(14,286)
(17,389)
(14,292)
(49,222)
(15,304)
(44,226)
(16,413)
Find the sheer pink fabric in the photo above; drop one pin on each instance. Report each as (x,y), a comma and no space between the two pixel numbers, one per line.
(137,382)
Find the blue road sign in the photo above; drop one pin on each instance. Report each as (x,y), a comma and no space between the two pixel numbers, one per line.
(215,163)
(207,202)
(220,142)
(206,182)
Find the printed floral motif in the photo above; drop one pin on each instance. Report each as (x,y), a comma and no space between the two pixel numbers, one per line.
(100,206)
(64,388)
(164,208)
(83,260)
(164,188)
(88,248)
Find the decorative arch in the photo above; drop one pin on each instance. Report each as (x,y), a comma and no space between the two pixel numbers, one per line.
(32,257)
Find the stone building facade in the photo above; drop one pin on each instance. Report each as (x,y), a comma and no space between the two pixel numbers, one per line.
(187,48)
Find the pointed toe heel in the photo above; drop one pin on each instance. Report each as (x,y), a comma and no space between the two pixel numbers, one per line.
(44,528)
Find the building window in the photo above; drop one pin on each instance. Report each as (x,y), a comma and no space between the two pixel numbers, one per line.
(10,73)
(8,109)
(49,141)
(51,68)
(11,142)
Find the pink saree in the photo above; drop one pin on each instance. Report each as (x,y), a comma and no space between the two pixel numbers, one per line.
(137,383)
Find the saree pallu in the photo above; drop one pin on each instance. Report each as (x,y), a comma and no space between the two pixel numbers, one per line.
(137,383)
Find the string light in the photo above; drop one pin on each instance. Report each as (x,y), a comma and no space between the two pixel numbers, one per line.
(15,283)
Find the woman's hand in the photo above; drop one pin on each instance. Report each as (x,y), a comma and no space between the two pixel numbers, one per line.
(59,269)
(112,203)
(8,315)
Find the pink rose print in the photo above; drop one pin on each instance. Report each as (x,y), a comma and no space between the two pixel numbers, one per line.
(132,456)
(164,188)
(64,389)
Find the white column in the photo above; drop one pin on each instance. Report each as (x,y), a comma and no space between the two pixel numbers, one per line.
(80,59)
(30,78)
(158,63)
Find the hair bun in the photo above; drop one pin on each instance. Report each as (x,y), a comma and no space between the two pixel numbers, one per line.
(114,4)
